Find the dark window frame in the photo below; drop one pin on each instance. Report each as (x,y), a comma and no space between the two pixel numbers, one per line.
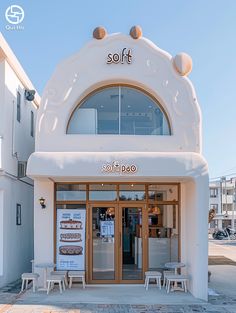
(32,123)
(18,214)
(18,106)
(213,192)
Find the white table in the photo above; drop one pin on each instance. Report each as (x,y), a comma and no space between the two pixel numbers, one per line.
(175,266)
(45,267)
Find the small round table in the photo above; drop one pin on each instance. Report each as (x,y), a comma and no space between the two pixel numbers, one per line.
(175,266)
(45,267)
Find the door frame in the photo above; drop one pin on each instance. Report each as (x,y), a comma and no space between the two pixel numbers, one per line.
(144,235)
(118,246)
(89,243)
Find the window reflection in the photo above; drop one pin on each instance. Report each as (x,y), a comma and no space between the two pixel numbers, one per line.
(71,192)
(163,192)
(119,110)
(103,220)
(102,192)
(132,192)
(163,235)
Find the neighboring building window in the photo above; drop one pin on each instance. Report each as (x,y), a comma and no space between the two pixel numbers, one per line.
(18,102)
(213,192)
(119,110)
(18,214)
(32,123)
(215,207)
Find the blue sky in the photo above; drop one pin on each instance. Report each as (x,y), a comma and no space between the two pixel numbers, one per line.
(206,30)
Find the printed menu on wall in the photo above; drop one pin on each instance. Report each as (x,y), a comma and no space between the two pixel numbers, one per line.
(70,254)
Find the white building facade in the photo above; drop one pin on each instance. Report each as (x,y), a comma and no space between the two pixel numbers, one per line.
(118,165)
(222,200)
(17,119)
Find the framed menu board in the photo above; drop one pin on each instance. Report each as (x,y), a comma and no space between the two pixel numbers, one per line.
(70,246)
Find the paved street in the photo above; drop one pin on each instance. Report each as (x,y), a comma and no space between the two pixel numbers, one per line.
(222,298)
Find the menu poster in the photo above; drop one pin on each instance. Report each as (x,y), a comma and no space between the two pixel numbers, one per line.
(70,253)
(107,229)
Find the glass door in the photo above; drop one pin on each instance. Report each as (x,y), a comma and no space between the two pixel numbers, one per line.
(103,247)
(117,241)
(133,248)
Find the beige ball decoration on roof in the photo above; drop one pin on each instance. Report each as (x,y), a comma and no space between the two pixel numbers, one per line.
(136,32)
(183,63)
(99,32)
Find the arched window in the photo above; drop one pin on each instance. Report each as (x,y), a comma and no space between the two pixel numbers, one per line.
(119,110)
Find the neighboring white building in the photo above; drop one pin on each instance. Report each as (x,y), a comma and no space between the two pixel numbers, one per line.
(17,138)
(222,199)
(118,165)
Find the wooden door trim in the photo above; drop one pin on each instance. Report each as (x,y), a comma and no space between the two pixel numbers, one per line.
(144,242)
(90,243)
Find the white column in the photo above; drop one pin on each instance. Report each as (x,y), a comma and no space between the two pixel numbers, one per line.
(43,224)
(194,234)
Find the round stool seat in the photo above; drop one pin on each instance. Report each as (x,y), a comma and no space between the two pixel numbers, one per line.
(177,277)
(30,276)
(56,277)
(76,273)
(152,273)
(59,272)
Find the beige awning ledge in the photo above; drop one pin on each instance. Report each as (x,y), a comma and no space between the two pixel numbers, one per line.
(114,166)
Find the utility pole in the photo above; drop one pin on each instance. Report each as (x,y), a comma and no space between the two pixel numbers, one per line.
(223,179)
(234,201)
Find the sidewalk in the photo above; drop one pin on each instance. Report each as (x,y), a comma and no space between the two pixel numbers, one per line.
(178,302)
(134,299)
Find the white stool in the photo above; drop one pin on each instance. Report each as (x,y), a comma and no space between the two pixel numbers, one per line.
(61,273)
(152,275)
(165,275)
(76,274)
(55,279)
(177,279)
(29,276)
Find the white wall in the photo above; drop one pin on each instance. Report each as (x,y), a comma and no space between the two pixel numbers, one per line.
(43,224)
(1,231)
(151,69)
(2,99)
(2,94)
(17,240)
(16,136)
(194,235)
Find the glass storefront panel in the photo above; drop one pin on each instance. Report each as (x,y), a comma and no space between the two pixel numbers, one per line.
(140,115)
(98,114)
(163,235)
(71,206)
(71,192)
(132,192)
(102,192)
(103,229)
(132,243)
(118,258)
(119,110)
(163,192)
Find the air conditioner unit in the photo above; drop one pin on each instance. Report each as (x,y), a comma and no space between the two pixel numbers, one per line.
(22,169)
